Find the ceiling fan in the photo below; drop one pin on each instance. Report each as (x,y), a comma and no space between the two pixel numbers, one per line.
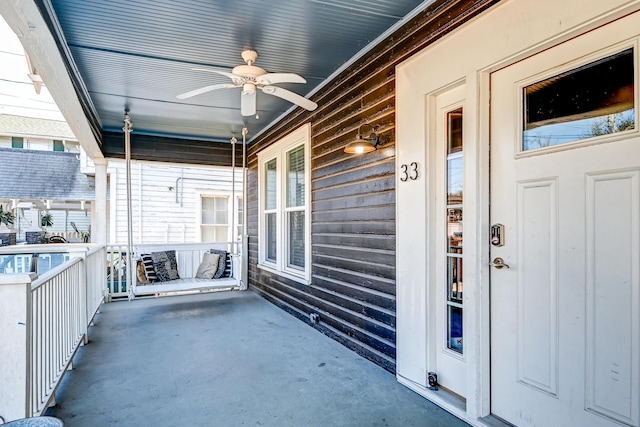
(251,78)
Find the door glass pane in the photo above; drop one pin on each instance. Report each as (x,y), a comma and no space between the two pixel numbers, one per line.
(454,279)
(296,239)
(454,332)
(295,177)
(454,175)
(270,185)
(454,131)
(454,157)
(454,230)
(454,179)
(593,100)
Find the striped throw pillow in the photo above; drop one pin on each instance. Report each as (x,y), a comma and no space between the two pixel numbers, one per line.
(149,269)
(227,267)
(222,264)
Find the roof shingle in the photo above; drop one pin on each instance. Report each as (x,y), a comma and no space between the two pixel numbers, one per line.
(32,174)
(31,126)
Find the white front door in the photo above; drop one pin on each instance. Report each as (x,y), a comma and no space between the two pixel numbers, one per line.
(565,184)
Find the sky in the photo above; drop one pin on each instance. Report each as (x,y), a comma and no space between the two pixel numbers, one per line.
(17,93)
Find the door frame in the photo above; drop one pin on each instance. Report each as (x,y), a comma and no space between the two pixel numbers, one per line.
(419,79)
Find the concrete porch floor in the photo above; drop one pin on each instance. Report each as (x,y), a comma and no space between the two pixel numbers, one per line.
(227,359)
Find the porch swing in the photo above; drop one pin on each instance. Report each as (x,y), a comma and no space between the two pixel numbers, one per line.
(184,259)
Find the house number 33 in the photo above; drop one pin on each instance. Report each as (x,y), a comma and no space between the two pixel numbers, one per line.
(409,172)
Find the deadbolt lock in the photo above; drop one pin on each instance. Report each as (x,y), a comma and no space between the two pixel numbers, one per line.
(497,235)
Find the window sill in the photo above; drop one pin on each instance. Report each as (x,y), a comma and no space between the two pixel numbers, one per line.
(297,278)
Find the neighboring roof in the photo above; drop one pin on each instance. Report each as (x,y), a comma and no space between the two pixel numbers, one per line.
(31,126)
(50,175)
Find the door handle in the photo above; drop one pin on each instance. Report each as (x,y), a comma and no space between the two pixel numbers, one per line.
(498,263)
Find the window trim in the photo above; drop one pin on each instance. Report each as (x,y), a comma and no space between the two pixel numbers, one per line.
(198,212)
(572,64)
(278,151)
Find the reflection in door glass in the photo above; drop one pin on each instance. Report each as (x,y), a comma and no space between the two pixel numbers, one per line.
(592,100)
(455,329)
(454,173)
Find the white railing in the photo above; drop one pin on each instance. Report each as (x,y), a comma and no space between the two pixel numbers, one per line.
(95,261)
(43,322)
(58,326)
(116,268)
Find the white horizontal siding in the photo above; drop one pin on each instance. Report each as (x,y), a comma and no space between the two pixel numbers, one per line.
(165,199)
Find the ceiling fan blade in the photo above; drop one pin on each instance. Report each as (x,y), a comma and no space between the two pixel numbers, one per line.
(271,78)
(290,96)
(236,78)
(204,89)
(248,104)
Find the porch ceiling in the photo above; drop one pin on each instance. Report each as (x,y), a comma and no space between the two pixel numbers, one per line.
(137,56)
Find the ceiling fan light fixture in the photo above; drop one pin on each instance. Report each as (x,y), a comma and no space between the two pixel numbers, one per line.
(250,78)
(363,143)
(248,89)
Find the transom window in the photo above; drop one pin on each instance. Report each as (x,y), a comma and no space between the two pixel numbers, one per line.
(593,100)
(284,206)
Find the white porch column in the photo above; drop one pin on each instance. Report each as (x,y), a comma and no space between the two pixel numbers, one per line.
(15,292)
(99,230)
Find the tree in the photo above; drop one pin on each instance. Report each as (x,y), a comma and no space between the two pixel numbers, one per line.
(612,123)
(6,217)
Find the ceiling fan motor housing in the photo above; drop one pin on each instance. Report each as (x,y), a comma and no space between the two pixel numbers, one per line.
(250,71)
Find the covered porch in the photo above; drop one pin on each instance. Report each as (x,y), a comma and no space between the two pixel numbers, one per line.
(228,359)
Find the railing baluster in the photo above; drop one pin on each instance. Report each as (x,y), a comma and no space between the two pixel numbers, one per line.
(58,308)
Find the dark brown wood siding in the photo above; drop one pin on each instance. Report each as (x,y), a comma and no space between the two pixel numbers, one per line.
(161,149)
(353,197)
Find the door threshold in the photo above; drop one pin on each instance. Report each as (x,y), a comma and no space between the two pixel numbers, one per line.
(493,421)
(451,403)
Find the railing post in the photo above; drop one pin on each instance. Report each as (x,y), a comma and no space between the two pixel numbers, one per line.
(244,269)
(15,330)
(82,253)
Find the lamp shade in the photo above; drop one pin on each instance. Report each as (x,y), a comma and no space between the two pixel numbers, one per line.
(363,144)
(360,146)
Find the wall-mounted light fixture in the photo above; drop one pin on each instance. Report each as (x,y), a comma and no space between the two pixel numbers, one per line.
(364,143)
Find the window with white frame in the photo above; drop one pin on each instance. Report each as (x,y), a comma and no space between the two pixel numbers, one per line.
(284,226)
(215,218)
(214,222)
(239,217)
